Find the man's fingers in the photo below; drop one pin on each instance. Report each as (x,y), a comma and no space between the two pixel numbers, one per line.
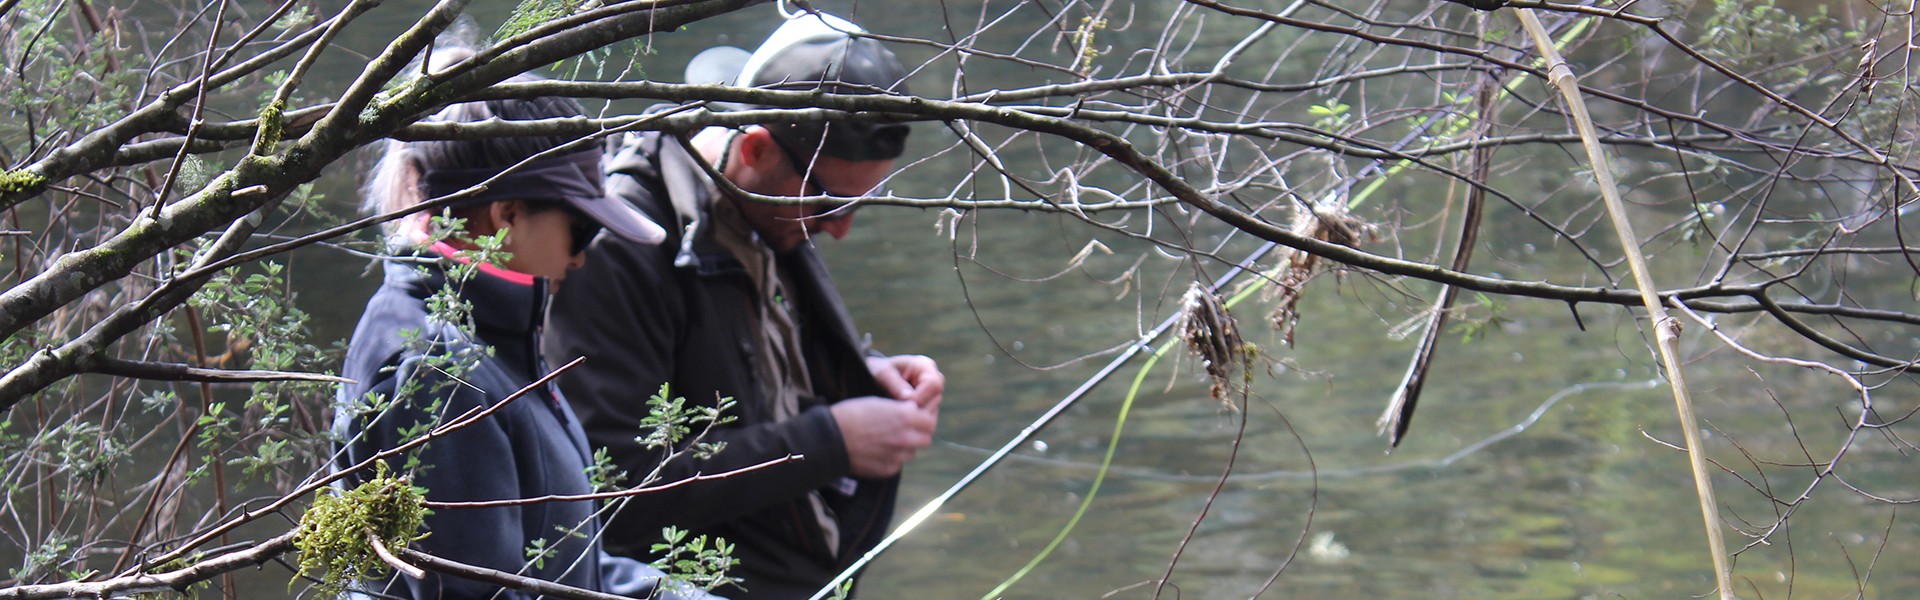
(923,375)
(895,385)
(887,372)
(882,434)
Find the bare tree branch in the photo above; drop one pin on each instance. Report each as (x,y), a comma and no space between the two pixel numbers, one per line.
(177,580)
(178,372)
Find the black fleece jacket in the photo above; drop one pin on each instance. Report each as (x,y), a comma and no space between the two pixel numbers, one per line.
(680,313)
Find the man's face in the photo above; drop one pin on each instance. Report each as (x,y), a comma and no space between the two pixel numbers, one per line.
(779,171)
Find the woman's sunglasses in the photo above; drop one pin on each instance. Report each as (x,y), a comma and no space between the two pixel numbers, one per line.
(582,228)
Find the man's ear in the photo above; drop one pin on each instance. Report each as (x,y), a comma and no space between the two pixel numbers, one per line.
(757,150)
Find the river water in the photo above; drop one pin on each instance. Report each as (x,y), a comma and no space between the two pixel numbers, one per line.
(1582,503)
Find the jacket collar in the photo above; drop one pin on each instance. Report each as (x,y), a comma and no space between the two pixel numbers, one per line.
(508,307)
(661,158)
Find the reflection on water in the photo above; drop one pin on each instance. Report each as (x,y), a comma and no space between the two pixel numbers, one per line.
(1581,504)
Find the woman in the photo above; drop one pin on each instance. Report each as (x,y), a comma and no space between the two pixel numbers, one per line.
(422,361)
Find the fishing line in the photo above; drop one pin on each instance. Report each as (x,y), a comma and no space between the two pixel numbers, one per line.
(1144,342)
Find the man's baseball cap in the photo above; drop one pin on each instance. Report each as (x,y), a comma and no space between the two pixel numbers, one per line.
(817,51)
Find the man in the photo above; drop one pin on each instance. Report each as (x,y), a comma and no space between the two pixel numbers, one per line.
(738,305)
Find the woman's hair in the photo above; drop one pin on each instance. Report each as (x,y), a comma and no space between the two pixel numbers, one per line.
(398,178)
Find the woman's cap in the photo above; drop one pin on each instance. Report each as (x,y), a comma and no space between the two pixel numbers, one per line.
(573,178)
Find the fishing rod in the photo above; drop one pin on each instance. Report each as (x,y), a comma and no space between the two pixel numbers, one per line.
(1143,342)
(1139,345)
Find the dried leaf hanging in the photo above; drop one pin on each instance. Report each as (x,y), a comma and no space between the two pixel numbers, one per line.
(1211,334)
(1332,224)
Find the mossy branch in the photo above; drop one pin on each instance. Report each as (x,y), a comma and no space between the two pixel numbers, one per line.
(343,536)
(273,121)
(20,181)
(258,181)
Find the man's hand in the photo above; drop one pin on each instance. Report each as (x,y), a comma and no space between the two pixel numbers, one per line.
(882,434)
(910,377)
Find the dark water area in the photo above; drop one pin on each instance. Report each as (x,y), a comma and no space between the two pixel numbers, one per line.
(1582,503)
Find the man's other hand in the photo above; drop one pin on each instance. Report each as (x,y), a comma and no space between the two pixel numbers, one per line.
(910,377)
(882,434)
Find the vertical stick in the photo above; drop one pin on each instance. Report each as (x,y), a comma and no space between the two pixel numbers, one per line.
(1666,328)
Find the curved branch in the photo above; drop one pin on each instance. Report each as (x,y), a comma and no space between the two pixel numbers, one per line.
(386,556)
(846,106)
(804,107)
(1825,341)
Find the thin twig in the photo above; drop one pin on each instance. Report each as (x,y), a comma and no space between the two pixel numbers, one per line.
(156,371)
(1399,414)
(614,494)
(1219,486)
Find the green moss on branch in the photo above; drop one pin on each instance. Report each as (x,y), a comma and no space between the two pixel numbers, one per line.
(334,534)
(273,122)
(20,181)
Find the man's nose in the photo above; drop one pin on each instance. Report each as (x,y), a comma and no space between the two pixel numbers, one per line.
(836,227)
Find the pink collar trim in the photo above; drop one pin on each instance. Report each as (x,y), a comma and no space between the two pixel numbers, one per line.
(445,249)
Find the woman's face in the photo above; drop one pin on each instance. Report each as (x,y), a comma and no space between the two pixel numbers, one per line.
(541,240)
